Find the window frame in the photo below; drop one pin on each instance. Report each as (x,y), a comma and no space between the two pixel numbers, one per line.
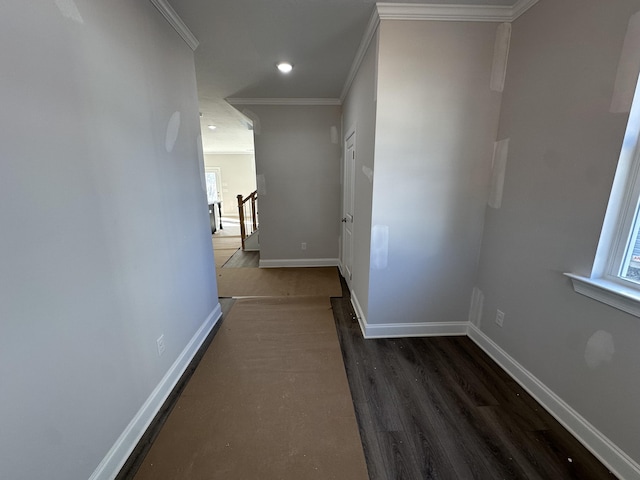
(621,222)
(218,173)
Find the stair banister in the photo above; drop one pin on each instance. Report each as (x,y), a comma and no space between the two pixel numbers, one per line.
(252,199)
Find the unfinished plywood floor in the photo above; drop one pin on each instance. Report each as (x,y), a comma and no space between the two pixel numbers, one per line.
(439,408)
(269,400)
(275,282)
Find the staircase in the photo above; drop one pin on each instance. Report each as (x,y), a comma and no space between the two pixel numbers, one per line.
(248,212)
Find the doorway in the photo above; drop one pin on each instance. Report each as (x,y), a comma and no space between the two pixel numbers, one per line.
(346,259)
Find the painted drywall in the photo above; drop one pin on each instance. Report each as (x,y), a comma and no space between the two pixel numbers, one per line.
(105,243)
(238,174)
(298,171)
(435,130)
(563,150)
(359,113)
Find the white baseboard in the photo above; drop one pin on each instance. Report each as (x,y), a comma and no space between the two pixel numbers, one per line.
(120,451)
(426,329)
(359,314)
(398,330)
(300,262)
(604,449)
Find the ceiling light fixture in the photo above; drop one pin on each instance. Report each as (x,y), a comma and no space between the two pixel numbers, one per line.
(211,127)
(285,67)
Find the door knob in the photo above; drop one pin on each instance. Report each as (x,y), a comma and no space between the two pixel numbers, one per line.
(344,220)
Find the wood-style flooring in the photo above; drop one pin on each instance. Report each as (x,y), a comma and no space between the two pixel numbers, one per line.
(440,408)
(226,239)
(242,259)
(434,408)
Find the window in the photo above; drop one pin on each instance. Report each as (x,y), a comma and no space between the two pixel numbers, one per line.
(615,277)
(212,178)
(630,265)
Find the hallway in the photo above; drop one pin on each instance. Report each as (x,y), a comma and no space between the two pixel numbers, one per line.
(426,408)
(269,399)
(268,395)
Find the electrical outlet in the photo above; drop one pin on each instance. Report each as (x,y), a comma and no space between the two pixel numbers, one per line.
(499,318)
(161,346)
(303,245)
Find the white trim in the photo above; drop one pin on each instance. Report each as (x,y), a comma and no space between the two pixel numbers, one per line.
(369,33)
(252,153)
(440,12)
(300,262)
(454,13)
(176,22)
(520,7)
(362,320)
(604,449)
(345,165)
(613,294)
(284,101)
(124,445)
(403,330)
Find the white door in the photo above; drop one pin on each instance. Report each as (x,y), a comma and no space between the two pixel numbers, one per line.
(347,206)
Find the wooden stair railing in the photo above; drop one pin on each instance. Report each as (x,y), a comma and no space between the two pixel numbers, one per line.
(248,219)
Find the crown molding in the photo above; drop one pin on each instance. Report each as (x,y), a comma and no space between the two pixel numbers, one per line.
(369,33)
(176,22)
(454,13)
(520,7)
(439,12)
(284,101)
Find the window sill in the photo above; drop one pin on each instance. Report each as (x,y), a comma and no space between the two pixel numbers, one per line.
(605,291)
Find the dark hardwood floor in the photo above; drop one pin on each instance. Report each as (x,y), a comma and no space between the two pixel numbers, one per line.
(439,408)
(242,259)
(433,408)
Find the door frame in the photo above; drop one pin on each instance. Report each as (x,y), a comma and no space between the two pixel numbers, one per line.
(351,134)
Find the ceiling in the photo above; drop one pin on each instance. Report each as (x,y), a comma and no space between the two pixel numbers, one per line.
(242,40)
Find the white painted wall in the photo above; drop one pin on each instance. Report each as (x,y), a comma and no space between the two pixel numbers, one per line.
(563,149)
(105,243)
(238,173)
(359,112)
(298,170)
(435,128)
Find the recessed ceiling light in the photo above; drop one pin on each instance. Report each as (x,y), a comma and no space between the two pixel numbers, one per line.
(211,127)
(285,67)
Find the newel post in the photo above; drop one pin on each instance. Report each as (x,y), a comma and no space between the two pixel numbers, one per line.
(243,233)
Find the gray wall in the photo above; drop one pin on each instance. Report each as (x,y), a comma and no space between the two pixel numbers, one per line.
(238,173)
(359,112)
(105,243)
(298,170)
(564,146)
(435,129)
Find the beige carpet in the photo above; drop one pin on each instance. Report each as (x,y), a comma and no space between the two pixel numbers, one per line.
(269,400)
(279,282)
